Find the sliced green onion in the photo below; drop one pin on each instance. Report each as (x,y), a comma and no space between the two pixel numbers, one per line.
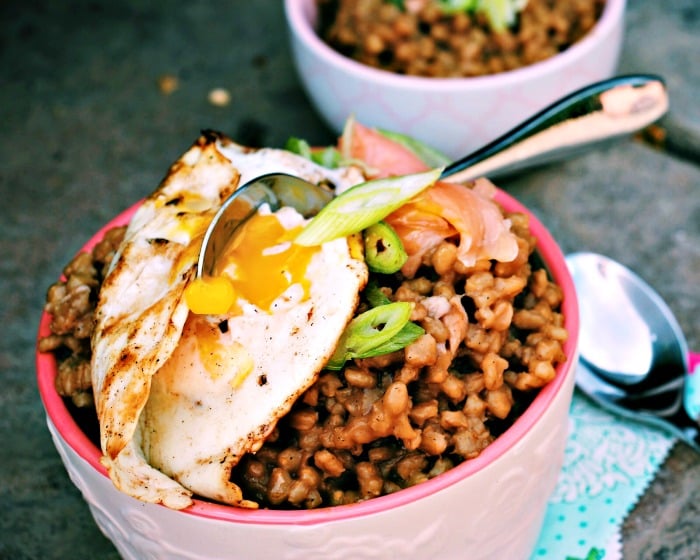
(384,252)
(327,157)
(500,13)
(374,327)
(363,205)
(454,6)
(367,334)
(409,333)
(346,137)
(374,296)
(346,157)
(430,156)
(298,146)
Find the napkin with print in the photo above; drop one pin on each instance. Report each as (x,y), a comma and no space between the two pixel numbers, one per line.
(609,463)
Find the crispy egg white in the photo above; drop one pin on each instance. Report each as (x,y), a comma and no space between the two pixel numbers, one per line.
(232,378)
(148,368)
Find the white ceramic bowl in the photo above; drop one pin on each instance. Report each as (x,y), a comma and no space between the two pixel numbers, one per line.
(488,507)
(454,115)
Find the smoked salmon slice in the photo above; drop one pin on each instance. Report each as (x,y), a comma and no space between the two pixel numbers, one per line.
(466,214)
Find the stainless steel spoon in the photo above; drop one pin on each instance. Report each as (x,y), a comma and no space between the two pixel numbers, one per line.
(634,359)
(602,111)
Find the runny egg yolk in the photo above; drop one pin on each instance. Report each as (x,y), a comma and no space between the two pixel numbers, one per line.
(263,263)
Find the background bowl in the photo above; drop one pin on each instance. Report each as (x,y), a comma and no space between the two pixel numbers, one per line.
(488,507)
(453,115)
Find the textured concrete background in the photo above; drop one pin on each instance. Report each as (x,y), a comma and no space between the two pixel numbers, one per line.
(86,131)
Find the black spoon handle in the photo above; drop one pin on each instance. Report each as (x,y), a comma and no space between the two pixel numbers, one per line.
(601,111)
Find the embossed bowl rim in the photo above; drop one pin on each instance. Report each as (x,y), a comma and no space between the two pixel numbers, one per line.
(301,13)
(551,254)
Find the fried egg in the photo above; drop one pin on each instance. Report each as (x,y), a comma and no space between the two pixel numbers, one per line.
(181,397)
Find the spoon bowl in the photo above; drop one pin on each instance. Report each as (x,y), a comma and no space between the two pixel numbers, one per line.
(634,358)
(599,112)
(274,189)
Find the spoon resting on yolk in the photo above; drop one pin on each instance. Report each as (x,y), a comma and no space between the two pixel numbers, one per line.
(259,268)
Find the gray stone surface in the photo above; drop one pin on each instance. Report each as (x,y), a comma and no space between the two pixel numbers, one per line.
(85,131)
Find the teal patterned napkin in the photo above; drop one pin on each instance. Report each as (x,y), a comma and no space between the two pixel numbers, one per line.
(609,463)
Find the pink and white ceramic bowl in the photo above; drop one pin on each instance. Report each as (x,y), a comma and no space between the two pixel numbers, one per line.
(488,507)
(453,115)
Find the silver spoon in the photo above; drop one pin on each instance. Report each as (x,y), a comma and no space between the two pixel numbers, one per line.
(634,359)
(601,111)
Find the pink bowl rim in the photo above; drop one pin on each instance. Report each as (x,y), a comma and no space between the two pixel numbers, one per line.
(550,252)
(300,13)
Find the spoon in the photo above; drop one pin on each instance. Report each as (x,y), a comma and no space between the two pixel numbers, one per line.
(634,359)
(601,111)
